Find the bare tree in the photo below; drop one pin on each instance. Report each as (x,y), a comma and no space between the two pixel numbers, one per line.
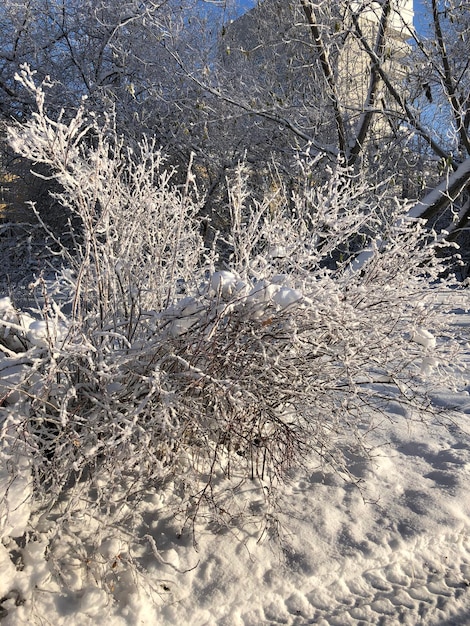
(348,82)
(116,59)
(440,87)
(355,82)
(114,54)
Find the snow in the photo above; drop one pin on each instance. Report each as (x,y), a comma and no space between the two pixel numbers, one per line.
(15,494)
(391,546)
(257,301)
(42,333)
(442,193)
(286,296)
(225,283)
(423,337)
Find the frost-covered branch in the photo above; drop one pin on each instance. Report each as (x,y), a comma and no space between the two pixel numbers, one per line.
(445,193)
(153,362)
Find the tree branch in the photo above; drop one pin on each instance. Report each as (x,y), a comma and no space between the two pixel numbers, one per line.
(444,194)
(374,81)
(327,72)
(448,80)
(409,115)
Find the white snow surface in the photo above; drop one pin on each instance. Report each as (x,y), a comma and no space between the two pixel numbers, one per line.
(392,549)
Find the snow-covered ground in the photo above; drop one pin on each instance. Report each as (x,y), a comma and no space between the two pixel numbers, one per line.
(391,547)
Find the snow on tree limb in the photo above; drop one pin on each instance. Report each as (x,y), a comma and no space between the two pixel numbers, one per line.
(444,194)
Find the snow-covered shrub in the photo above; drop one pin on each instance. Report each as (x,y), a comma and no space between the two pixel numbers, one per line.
(150,364)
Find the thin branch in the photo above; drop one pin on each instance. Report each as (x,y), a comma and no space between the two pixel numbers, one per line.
(409,114)
(448,79)
(327,72)
(374,82)
(444,194)
(281,121)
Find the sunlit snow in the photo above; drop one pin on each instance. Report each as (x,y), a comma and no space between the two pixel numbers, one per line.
(391,546)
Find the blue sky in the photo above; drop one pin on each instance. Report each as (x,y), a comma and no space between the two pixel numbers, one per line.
(420,23)
(247,4)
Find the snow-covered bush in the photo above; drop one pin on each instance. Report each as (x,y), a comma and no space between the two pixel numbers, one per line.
(151,364)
